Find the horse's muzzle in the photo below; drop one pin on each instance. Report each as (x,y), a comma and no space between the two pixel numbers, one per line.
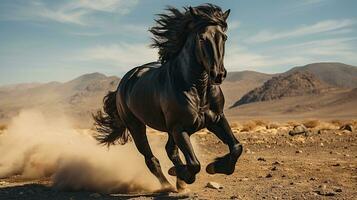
(219,78)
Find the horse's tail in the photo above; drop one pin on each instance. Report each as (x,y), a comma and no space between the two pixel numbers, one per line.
(111,129)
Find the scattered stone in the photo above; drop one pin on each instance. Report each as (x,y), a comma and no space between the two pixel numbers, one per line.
(234,197)
(347,127)
(214,185)
(274,168)
(276,163)
(298,151)
(95,195)
(277,186)
(268,176)
(325,193)
(321,144)
(313,179)
(299,130)
(261,159)
(337,189)
(248,151)
(336,165)
(244,179)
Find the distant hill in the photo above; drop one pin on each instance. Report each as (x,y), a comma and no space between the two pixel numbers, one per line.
(297,83)
(81,96)
(237,84)
(76,98)
(334,74)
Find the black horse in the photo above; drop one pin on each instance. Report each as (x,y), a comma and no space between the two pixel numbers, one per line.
(178,95)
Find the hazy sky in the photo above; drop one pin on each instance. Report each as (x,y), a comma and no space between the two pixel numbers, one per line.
(43,40)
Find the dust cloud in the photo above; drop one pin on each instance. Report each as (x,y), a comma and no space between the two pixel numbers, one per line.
(37,145)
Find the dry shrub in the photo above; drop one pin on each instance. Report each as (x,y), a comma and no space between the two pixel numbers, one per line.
(248,126)
(327,126)
(235,125)
(259,122)
(2,127)
(292,123)
(311,123)
(253,124)
(273,125)
(337,122)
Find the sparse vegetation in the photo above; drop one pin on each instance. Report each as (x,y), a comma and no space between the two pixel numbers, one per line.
(311,123)
(2,127)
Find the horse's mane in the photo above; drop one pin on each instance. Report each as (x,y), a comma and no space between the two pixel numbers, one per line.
(173,27)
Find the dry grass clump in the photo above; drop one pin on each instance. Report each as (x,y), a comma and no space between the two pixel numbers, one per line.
(2,127)
(311,123)
(273,125)
(337,122)
(253,124)
(235,125)
(292,123)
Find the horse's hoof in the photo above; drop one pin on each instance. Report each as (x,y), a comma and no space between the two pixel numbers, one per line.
(210,169)
(172,171)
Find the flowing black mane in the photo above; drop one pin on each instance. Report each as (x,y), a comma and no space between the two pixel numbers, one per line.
(172,28)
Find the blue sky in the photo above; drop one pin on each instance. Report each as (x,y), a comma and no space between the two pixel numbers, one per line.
(58,40)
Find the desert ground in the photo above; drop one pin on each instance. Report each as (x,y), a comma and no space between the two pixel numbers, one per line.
(320,163)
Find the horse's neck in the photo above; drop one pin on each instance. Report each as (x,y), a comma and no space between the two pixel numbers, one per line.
(190,73)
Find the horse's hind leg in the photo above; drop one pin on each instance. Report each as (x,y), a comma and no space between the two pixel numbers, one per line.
(138,133)
(225,164)
(173,153)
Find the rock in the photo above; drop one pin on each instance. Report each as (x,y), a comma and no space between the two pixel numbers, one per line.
(321,144)
(248,151)
(95,195)
(244,179)
(274,168)
(276,163)
(268,176)
(347,127)
(261,159)
(298,151)
(336,165)
(214,185)
(298,130)
(337,189)
(234,197)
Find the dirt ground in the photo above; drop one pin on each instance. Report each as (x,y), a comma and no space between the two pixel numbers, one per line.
(274,165)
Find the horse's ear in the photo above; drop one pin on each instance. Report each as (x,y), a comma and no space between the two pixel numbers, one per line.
(226,14)
(193,11)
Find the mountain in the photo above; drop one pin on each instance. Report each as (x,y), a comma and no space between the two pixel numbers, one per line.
(76,98)
(297,83)
(237,84)
(334,74)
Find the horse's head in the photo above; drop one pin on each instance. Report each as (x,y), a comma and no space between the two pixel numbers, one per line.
(210,41)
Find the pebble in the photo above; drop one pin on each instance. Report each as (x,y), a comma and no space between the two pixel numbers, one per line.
(261,159)
(274,168)
(298,151)
(268,176)
(214,185)
(95,195)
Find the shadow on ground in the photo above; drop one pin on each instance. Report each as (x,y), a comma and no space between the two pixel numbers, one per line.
(38,191)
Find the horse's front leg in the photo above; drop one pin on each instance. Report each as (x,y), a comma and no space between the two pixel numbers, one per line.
(186,172)
(225,164)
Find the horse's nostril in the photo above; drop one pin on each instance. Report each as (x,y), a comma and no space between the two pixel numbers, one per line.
(212,74)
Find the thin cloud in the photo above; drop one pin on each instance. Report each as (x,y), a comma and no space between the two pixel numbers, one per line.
(335,50)
(72,12)
(122,55)
(320,27)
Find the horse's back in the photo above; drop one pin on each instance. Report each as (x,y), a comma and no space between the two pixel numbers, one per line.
(139,94)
